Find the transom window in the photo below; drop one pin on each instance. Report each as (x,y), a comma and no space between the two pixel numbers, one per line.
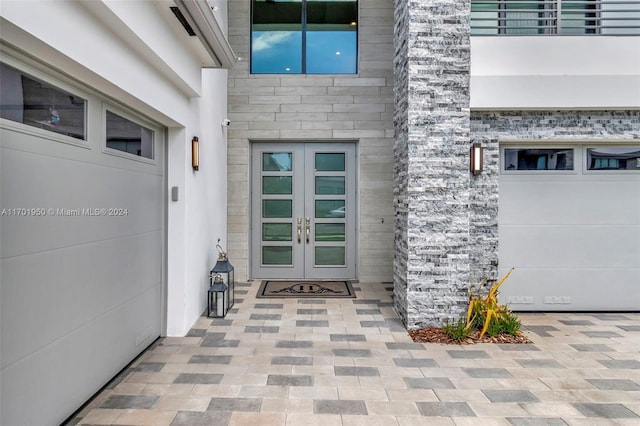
(304,36)
(538,159)
(128,136)
(613,158)
(28,100)
(549,17)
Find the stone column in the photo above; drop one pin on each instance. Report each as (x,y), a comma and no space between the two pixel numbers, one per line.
(431,152)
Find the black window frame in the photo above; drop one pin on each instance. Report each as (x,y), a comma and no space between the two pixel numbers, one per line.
(303,30)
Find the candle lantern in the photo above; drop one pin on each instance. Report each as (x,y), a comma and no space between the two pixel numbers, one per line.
(218,297)
(224,268)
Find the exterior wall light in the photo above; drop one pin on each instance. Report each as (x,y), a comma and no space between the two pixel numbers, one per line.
(476,155)
(195,153)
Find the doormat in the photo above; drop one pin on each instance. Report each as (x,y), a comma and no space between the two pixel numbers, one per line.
(277,289)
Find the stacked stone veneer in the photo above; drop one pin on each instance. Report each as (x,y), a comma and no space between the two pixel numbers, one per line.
(490,128)
(318,108)
(431,151)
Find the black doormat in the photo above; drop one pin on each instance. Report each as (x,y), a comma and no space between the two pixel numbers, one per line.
(277,289)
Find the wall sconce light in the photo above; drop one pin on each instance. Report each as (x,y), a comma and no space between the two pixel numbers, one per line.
(195,153)
(476,155)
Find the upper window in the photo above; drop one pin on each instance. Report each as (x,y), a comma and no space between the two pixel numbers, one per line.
(304,36)
(25,99)
(127,136)
(613,158)
(538,159)
(548,17)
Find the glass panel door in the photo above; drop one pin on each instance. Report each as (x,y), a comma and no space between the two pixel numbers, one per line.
(303,211)
(278,172)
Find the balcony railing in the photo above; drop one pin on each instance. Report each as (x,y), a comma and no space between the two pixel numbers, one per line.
(553,17)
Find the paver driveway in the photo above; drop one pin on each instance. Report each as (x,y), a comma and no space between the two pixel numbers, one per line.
(350,362)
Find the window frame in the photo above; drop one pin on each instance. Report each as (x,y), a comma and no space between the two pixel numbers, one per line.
(303,31)
(134,118)
(56,83)
(585,161)
(577,152)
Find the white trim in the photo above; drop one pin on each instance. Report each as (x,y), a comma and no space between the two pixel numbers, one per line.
(43,134)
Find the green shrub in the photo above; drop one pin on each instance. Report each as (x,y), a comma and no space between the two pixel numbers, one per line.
(487,315)
(458,330)
(510,323)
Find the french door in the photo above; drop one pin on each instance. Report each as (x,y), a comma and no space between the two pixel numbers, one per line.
(303,210)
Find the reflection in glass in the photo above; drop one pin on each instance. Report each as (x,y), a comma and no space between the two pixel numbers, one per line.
(276,232)
(613,158)
(331,52)
(276,208)
(484,14)
(330,208)
(330,162)
(521,17)
(332,37)
(127,136)
(276,52)
(25,100)
(330,232)
(282,30)
(579,17)
(330,256)
(276,162)
(276,37)
(330,185)
(277,184)
(277,255)
(538,159)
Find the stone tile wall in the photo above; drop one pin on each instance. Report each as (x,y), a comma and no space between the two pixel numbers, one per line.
(432,179)
(319,108)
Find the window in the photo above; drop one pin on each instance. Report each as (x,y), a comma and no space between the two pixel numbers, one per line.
(304,36)
(538,159)
(548,17)
(27,100)
(613,158)
(126,136)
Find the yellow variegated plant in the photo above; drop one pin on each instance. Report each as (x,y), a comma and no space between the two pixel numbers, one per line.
(485,310)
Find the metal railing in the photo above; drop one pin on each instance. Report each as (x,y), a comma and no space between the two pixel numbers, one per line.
(548,17)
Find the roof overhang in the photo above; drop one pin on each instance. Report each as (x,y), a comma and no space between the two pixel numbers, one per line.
(199,15)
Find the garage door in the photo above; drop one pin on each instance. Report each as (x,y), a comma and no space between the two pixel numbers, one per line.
(569,220)
(82,237)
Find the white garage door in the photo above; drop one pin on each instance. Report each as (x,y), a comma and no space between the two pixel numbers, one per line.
(81,243)
(570,224)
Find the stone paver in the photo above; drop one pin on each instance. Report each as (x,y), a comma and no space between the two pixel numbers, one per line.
(349,362)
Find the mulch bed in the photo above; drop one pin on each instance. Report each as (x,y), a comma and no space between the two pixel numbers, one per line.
(438,335)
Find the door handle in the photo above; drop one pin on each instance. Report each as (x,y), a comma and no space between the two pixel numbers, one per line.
(308,226)
(299,230)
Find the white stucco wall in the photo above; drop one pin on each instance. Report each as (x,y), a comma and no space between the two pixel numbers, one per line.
(556,72)
(137,55)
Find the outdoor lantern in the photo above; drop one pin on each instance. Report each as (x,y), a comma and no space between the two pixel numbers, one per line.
(218,297)
(195,153)
(475,155)
(225,268)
